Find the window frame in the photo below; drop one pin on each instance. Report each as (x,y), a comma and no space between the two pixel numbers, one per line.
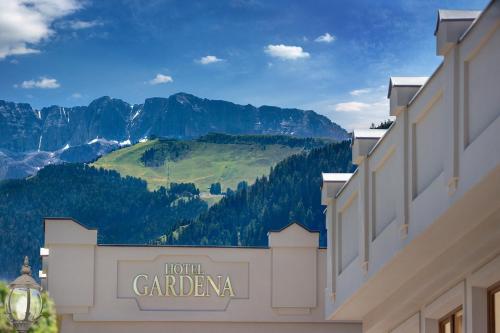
(451,318)
(495,288)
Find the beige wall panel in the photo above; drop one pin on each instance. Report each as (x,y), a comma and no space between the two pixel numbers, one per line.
(287,276)
(429,145)
(349,233)
(482,92)
(71,280)
(386,191)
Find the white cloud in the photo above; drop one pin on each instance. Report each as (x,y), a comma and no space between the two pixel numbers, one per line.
(42,83)
(351,106)
(286,52)
(355,112)
(76,95)
(17,50)
(326,38)
(79,24)
(358,92)
(209,59)
(23,23)
(361,114)
(160,78)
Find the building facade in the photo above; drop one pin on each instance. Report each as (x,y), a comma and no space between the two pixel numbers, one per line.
(413,233)
(113,288)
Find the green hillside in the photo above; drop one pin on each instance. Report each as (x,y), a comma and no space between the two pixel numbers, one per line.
(201,162)
(291,193)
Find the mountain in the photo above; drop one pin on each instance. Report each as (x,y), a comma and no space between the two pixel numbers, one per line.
(187,116)
(23,164)
(291,193)
(122,208)
(178,116)
(31,139)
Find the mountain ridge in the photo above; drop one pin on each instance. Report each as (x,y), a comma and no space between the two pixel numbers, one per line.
(180,115)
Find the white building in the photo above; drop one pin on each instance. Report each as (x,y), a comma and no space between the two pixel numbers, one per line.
(414,232)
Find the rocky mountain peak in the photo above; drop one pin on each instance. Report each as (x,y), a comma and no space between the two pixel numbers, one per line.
(181,115)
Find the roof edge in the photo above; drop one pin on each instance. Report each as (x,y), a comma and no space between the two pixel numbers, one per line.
(451,19)
(300,224)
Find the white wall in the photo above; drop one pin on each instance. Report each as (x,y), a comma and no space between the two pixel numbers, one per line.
(429,182)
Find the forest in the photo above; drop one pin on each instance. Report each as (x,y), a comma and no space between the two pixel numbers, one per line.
(291,193)
(162,151)
(121,208)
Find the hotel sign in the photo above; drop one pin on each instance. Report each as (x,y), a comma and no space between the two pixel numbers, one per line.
(183,282)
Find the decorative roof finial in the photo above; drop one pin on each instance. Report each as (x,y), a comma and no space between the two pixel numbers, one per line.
(26,269)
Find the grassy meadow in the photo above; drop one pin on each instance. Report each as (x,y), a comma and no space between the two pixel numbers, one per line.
(204,164)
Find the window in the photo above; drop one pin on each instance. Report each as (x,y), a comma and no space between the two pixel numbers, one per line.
(452,323)
(494,309)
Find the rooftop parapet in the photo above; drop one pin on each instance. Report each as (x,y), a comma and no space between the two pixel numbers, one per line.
(363,141)
(332,183)
(450,26)
(402,90)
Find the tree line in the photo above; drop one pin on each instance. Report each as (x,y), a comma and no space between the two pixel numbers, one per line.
(164,150)
(121,208)
(291,193)
(284,140)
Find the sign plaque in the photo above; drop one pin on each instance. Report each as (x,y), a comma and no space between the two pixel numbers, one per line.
(182,280)
(185,283)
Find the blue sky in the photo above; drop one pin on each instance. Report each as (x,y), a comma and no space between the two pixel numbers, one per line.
(334,57)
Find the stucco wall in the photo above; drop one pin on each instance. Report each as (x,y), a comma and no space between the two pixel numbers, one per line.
(432,179)
(68,325)
(93,285)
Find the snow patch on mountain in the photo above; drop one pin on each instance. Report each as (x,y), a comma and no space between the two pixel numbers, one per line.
(40,142)
(136,114)
(125,143)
